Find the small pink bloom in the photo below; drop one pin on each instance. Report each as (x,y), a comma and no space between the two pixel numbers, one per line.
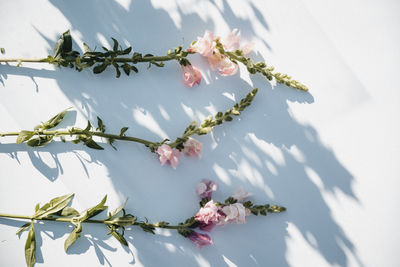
(247,47)
(227,67)
(232,41)
(192,148)
(191,75)
(205,188)
(168,155)
(204,45)
(207,227)
(235,213)
(208,213)
(200,240)
(240,194)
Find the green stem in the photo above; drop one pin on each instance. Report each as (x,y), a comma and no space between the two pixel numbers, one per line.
(85,60)
(69,220)
(93,133)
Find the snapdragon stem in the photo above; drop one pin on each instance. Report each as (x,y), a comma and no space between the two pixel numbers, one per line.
(85,60)
(69,220)
(79,132)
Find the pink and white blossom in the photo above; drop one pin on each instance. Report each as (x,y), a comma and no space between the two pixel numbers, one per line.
(208,213)
(205,188)
(235,213)
(200,240)
(232,41)
(240,194)
(192,148)
(226,67)
(204,45)
(167,155)
(191,75)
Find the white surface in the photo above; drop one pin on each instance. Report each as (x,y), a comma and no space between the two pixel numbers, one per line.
(331,156)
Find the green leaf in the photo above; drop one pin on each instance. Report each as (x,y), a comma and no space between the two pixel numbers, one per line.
(69,211)
(64,44)
(123,130)
(115,47)
(126,68)
(100,68)
(86,48)
(53,122)
(117,235)
(53,206)
(228,118)
(88,127)
(73,236)
(117,210)
(23,228)
(100,125)
(94,211)
(127,50)
(124,220)
(2,50)
(24,136)
(134,69)
(30,247)
(89,142)
(116,66)
(111,142)
(40,141)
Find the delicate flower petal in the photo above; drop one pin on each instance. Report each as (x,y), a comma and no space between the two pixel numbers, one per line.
(235,213)
(168,155)
(208,213)
(191,75)
(227,67)
(206,187)
(200,240)
(232,41)
(192,148)
(204,45)
(240,194)
(247,47)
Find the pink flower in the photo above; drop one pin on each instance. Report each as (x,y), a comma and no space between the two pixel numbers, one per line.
(232,41)
(205,45)
(235,213)
(208,213)
(191,75)
(226,67)
(168,155)
(240,194)
(192,148)
(200,240)
(207,227)
(247,47)
(205,188)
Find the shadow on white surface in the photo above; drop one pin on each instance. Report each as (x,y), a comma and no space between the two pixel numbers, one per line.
(266,151)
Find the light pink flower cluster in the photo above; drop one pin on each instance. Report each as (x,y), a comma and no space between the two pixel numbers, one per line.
(211,214)
(205,188)
(206,46)
(191,75)
(167,155)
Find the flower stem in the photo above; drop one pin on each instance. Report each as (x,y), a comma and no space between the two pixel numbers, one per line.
(70,220)
(79,132)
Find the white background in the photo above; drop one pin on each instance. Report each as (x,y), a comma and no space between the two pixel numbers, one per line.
(330,156)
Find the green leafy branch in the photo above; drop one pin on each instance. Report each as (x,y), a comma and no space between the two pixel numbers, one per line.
(117,57)
(42,134)
(57,210)
(260,67)
(122,59)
